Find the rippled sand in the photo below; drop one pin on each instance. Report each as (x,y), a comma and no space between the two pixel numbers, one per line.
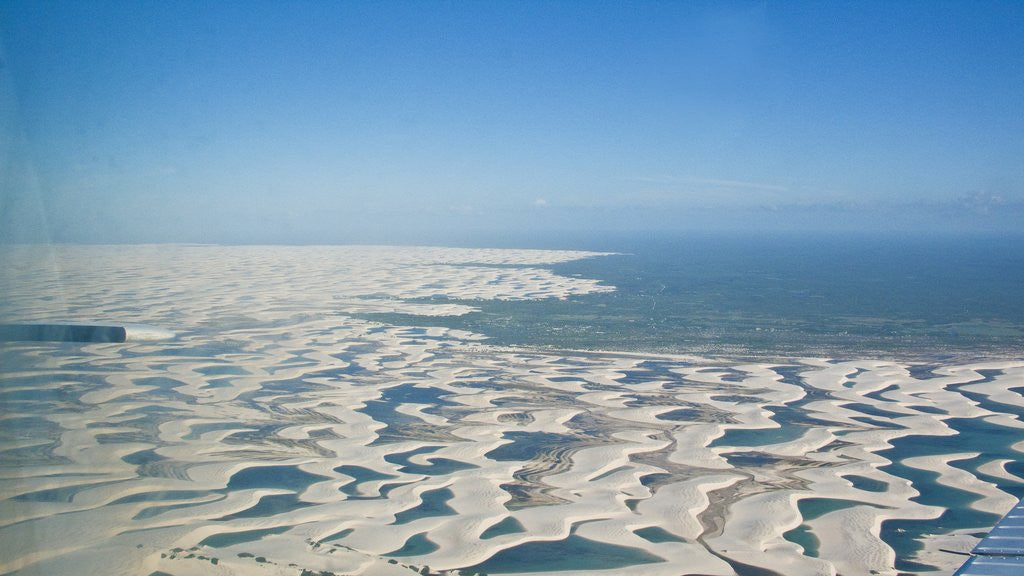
(276,433)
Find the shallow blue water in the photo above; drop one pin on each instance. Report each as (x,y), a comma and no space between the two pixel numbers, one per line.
(508,525)
(432,503)
(572,553)
(973,435)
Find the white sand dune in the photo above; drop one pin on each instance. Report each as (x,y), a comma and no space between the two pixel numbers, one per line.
(277,433)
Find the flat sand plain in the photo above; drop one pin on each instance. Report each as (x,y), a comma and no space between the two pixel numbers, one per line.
(277,434)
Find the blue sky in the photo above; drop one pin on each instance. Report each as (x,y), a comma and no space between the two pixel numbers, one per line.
(431,121)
